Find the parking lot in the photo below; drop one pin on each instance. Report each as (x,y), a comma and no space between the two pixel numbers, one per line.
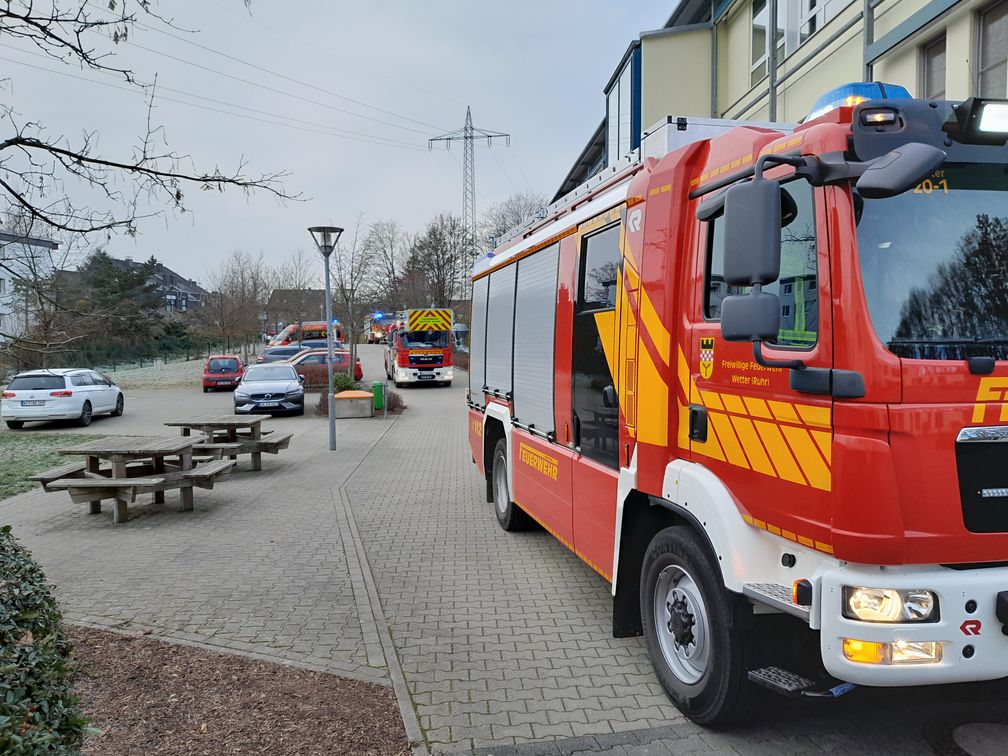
(382,561)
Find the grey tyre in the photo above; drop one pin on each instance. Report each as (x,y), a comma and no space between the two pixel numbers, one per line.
(119,406)
(698,634)
(15,424)
(510,516)
(85,415)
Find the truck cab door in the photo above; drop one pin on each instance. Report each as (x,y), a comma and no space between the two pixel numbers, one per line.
(769,444)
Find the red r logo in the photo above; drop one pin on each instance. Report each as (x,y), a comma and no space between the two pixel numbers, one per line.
(971,627)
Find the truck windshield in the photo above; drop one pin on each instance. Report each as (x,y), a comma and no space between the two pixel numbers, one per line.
(424,339)
(934,262)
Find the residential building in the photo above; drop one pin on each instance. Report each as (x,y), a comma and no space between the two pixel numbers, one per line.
(180,294)
(713,59)
(22,258)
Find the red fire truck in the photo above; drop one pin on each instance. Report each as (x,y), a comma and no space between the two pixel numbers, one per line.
(758,383)
(419,349)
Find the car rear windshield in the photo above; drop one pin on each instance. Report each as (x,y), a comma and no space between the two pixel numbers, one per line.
(270,373)
(223,366)
(30,382)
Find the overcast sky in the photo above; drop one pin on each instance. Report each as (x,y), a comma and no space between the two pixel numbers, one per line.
(532,69)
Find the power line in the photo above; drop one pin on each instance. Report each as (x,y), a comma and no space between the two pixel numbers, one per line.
(500,165)
(384,74)
(288,78)
(329,131)
(521,170)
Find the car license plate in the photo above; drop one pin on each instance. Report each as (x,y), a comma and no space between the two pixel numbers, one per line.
(32,403)
(268,404)
(223,383)
(425,376)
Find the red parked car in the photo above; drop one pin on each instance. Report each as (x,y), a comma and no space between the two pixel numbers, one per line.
(341,358)
(222,371)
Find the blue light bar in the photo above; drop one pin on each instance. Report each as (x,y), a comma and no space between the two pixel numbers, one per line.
(855,93)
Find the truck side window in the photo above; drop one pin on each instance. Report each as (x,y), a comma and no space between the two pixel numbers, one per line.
(595,401)
(797,286)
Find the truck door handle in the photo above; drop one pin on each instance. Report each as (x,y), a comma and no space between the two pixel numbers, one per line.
(698,423)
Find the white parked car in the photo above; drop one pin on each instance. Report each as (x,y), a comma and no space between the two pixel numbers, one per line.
(59,394)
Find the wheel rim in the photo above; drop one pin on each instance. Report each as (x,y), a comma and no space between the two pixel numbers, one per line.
(86,413)
(682,624)
(119,405)
(502,497)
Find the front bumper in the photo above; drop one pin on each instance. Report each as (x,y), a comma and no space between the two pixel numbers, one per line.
(249,406)
(423,375)
(221,382)
(975,645)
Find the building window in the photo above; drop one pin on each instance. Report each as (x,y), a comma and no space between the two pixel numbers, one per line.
(815,14)
(760,26)
(992,76)
(622,127)
(933,70)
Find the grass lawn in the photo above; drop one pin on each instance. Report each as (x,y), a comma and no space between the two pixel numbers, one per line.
(24,454)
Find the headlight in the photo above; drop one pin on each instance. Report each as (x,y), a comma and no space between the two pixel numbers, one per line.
(897,652)
(889,605)
(295,393)
(240,395)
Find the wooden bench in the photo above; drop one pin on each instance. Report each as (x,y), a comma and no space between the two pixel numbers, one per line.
(123,490)
(275,443)
(218,449)
(72,470)
(204,476)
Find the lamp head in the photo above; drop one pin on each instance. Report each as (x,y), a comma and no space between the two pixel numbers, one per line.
(325,238)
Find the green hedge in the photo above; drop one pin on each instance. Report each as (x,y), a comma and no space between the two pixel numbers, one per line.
(38,711)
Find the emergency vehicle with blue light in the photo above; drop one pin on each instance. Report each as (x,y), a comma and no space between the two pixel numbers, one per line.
(756,377)
(419,348)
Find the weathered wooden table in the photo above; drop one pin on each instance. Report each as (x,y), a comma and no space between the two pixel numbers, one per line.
(139,464)
(231,435)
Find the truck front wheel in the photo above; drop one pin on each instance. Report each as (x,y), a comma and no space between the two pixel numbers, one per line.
(697,633)
(509,515)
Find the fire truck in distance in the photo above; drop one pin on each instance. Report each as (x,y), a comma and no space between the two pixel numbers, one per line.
(419,349)
(756,377)
(306,331)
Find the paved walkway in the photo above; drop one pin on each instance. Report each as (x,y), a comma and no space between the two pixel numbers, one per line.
(383,562)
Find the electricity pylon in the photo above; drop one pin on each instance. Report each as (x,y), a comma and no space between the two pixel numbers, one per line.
(467,135)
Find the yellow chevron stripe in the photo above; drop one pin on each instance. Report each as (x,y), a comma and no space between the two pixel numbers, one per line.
(757,407)
(729,441)
(824,441)
(779,453)
(754,450)
(811,462)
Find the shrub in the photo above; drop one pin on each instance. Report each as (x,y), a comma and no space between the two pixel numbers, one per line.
(394,402)
(38,711)
(341,382)
(316,378)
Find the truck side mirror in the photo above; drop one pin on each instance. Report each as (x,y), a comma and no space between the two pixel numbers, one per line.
(750,317)
(752,235)
(899,170)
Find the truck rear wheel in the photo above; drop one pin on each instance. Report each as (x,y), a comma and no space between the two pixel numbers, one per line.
(697,632)
(509,515)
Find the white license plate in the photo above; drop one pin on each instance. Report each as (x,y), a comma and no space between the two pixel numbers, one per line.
(269,404)
(32,403)
(223,383)
(426,376)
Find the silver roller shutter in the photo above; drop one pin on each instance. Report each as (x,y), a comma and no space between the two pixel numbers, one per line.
(477,341)
(535,326)
(499,325)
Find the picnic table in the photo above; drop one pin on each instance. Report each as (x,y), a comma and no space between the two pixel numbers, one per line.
(231,435)
(138,464)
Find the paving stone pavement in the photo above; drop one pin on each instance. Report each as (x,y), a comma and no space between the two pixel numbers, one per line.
(498,643)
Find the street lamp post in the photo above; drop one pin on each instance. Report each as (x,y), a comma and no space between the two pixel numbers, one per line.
(325,238)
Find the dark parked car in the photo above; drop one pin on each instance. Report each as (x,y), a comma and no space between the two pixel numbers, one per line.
(270,388)
(278,354)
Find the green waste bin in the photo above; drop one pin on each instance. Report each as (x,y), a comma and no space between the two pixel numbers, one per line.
(378,391)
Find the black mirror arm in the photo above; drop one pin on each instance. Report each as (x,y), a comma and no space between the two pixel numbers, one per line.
(757,350)
(796,160)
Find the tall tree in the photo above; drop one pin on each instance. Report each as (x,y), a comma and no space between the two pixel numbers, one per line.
(441,256)
(52,179)
(352,272)
(237,301)
(388,246)
(516,210)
